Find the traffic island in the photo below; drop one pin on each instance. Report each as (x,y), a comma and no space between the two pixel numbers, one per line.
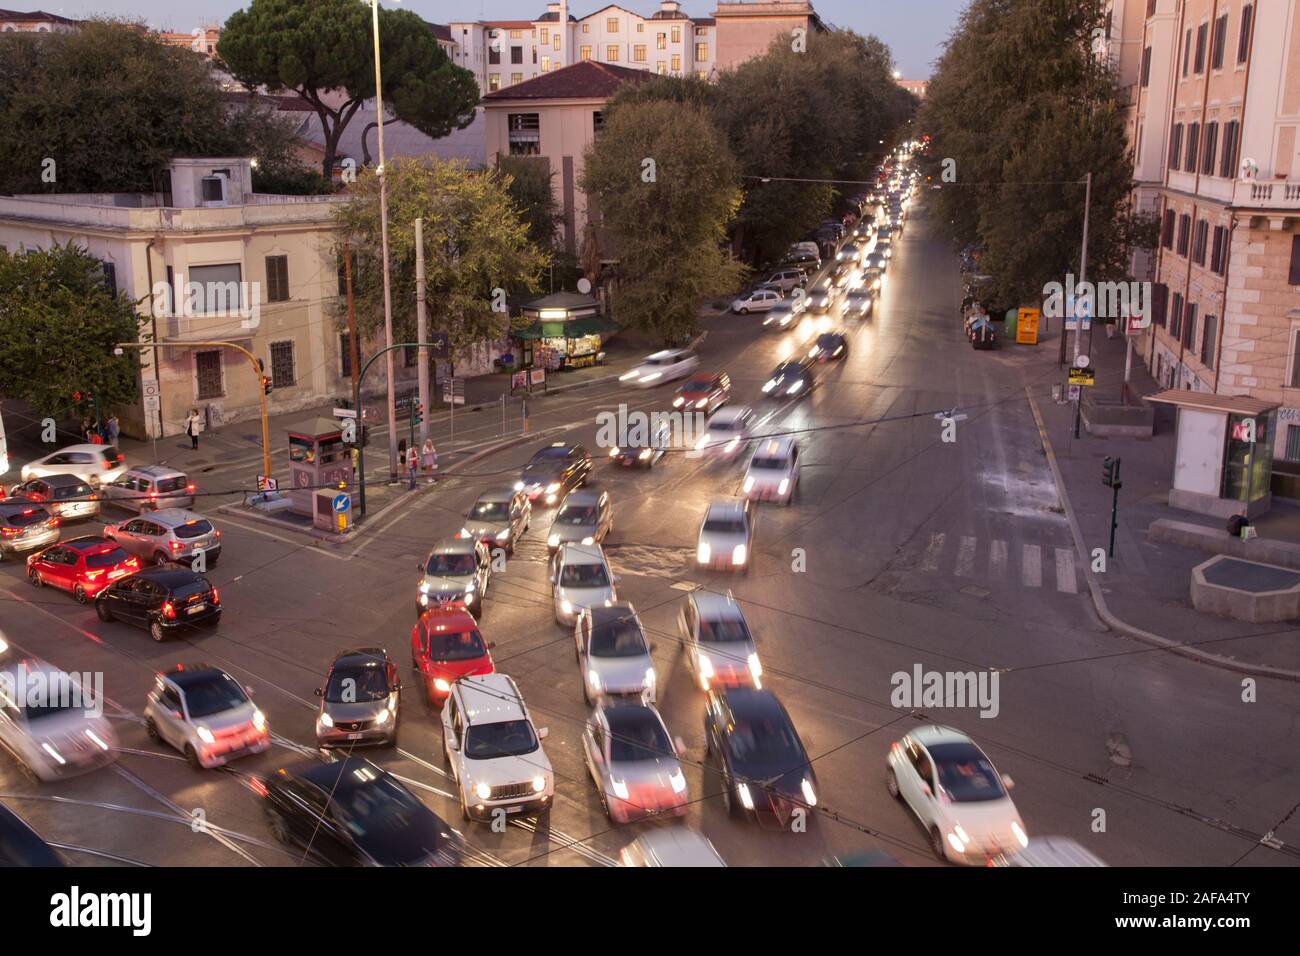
(1246,590)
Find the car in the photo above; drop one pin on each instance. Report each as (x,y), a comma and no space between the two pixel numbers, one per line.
(25,526)
(848,255)
(759,300)
(784,314)
(554,471)
(169,536)
(149,488)
(664,366)
(793,377)
(584,517)
(82,566)
(704,391)
(873,279)
(885,247)
(52,725)
(725,537)
(493,751)
(807,247)
(769,287)
(728,432)
(835,226)
(20,845)
(95,464)
(166,601)
(351,812)
(956,794)
(580,578)
(360,700)
(807,259)
(786,279)
(878,261)
(206,714)
(644,449)
(823,296)
(720,650)
(498,518)
(830,346)
(633,762)
(766,774)
(1049,851)
(670,846)
(613,654)
(859,303)
(843,273)
(67,497)
(456,572)
(446,645)
(773,472)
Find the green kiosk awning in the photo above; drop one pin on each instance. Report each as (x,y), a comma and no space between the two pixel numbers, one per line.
(586,325)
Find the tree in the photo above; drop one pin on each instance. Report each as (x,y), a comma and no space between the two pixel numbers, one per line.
(317,47)
(60,324)
(668,220)
(474,244)
(528,181)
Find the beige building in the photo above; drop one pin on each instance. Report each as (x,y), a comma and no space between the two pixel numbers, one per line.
(200,39)
(747,29)
(35,21)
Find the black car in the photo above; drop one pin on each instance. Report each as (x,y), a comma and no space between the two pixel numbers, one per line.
(765,771)
(352,813)
(554,471)
(20,845)
(166,600)
(645,449)
(790,378)
(829,347)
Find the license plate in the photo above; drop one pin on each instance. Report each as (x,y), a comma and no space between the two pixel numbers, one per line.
(515,809)
(196,609)
(354,736)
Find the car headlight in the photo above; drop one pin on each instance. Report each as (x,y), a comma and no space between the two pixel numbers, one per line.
(565,606)
(326,720)
(769,385)
(482,791)
(620,787)
(464,533)
(441,686)
(613,452)
(738,554)
(539,784)
(794,388)
(553,487)
(705,666)
(649,679)
(1019,831)
(703,553)
(504,535)
(749,484)
(702,403)
(954,841)
(382,718)
(746,800)
(205,735)
(588,540)
(593,680)
(96,739)
(755,668)
(678,402)
(259,721)
(519,486)
(783,487)
(423,600)
(553,540)
(809,794)
(678,781)
(961,834)
(424,587)
(645,453)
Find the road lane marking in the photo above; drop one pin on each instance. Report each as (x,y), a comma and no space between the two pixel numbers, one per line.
(1065,579)
(997,559)
(1031,566)
(965,557)
(930,560)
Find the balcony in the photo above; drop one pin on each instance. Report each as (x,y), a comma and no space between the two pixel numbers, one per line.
(1263,194)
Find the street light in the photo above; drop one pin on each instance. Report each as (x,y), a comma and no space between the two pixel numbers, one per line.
(383,233)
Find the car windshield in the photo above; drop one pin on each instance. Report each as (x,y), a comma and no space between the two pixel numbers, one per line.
(724,425)
(966,774)
(725,524)
(551,454)
(621,637)
(828,341)
(699,384)
(54,706)
(106,559)
(506,738)
(213,695)
(25,519)
(456,646)
(491,511)
(723,630)
(638,736)
(193,529)
(383,807)
(175,483)
(71,491)
(354,685)
(769,464)
(576,515)
(450,565)
(766,742)
(584,576)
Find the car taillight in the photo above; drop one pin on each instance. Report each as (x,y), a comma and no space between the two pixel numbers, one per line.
(168,611)
(218,534)
(216,598)
(120,458)
(153,495)
(132,562)
(11,532)
(91,575)
(189,488)
(257,786)
(175,545)
(54,522)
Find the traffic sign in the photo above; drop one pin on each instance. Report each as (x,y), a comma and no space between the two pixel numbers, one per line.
(151,403)
(151,389)
(345,413)
(453,391)
(1075,392)
(1082,361)
(342,504)
(267,483)
(1082,376)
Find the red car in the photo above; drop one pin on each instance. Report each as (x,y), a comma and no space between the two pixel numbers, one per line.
(446,644)
(84,566)
(707,391)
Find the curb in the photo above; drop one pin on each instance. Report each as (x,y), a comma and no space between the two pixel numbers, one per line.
(1099,601)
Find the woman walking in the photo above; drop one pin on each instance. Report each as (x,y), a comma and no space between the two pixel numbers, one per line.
(429,457)
(193,425)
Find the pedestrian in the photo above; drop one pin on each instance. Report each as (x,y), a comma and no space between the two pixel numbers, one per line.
(85,429)
(193,425)
(413,463)
(94,433)
(401,452)
(429,454)
(114,430)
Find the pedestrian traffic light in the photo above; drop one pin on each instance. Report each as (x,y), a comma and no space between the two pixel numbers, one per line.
(1110,472)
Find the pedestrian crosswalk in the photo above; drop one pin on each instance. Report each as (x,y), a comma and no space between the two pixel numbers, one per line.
(998,560)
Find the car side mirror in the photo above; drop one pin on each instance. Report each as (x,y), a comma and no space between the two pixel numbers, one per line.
(319,692)
(1007,781)
(491,645)
(248,690)
(542,732)
(925,789)
(419,566)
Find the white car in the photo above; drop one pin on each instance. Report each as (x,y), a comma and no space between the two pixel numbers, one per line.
(670,846)
(613,654)
(96,464)
(760,300)
(662,367)
(726,537)
(956,793)
(773,472)
(633,762)
(53,726)
(580,578)
(728,432)
(720,651)
(493,751)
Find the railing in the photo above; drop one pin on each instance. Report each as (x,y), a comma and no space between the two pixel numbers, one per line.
(1263,194)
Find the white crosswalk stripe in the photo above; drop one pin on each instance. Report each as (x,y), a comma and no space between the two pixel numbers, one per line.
(998,565)
(930,560)
(1031,566)
(997,559)
(966,557)
(1065,579)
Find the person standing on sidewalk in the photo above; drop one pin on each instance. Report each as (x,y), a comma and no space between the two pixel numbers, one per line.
(413,463)
(193,425)
(429,457)
(112,430)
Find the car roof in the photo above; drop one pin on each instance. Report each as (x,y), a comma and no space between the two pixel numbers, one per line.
(713,605)
(187,675)
(339,777)
(448,619)
(601,616)
(582,497)
(626,715)
(576,553)
(750,703)
(174,517)
(90,542)
(58,481)
(489,698)
(496,494)
(170,577)
(82,447)
(774,446)
(453,545)
(931,734)
(726,509)
(678,845)
(154,470)
(362,656)
(667,353)
(729,413)
(17,506)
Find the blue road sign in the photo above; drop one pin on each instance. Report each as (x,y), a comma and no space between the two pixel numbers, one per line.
(342,503)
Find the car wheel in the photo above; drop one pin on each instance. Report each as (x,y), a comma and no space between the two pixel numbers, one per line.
(151,729)
(101,608)
(35,577)
(464,810)
(742,311)
(391,742)
(161,560)
(936,844)
(80,594)
(891,784)
(192,756)
(156,631)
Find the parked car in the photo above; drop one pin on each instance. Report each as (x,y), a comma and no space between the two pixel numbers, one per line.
(67,497)
(455,573)
(726,536)
(169,536)
(773,472)
(580,578)
(52,725)
(82,566)
(360,700)
(718,646)
(150,488)
(585,517)
(95,464)
(165,601)
(663,366)
(670,846)
(759,300)
(633,762)
(205,714)
(446,645)
(613,654)
(786,279)
(728,434)
(707,391)
(554,471)
(499,518)
(25,526)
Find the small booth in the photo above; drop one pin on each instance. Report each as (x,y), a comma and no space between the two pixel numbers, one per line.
(1224,459)
(319,462)
(565,330)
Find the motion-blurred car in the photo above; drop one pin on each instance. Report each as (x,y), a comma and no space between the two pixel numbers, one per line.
(829,346)
(663,366)
(759,300)
(728,433)
(766,774)
(20,845)
(633,762)
(360,700)
(720,651)
(165,601)
(493,751)
(859,303)
(849,255)
(68,497)
(644,446)
(884,246)
(580,578)
(554,471)
(351,812)
(1049,851)
(873,278)
(167,536)
(956,794)
(794,377)
(96,464)
(773,472)
(670,846)
(456,572)
(613,654)
(823,296)
(205,714)
(725,537)
(82,566)
(584,517)
(498,518)
(842,274)
(150,488)
(705,391)
(446,645)
(877,261)
(25,526)
(52,725)
(783,315)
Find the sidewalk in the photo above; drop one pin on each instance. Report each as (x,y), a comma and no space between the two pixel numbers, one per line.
(1147,584)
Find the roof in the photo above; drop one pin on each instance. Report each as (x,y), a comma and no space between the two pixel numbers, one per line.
(155,470)
(585,80)
(574,553)
(622,611)
(34,16)
(87,543)
(508,24)
(171,577)
(582,496)
(171,517)
(62,481)
(705,22)
(441,31)
(338,777)
(184,675)
(552,16)
(496,494)
(1231,404)
(713,605)
(724,509)
(493,696)
(362,656)
(561,300)
(752,703)
(454,545)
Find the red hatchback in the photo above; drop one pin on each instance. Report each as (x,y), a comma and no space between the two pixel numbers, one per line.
(707,392)
(84,566)
(446,644)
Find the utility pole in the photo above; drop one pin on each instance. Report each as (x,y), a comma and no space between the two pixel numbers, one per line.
(421,331)
(1078,319)
(383,233)
(354,347)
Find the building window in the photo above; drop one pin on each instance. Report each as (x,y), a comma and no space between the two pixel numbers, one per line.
(1176,315)
(1175,145)
(661,41)
(1243,38)
(1293,377)
(1193,147)
(611,25)
(661,68)
(701,51)
(1219,250)
(546,36)
(1220,41)
(494,82)
(1200,240)
(516,34)
(1184,231)
(345,355)
(584,52)
(214,289)
(494,55)
(207,368)
(701,74)
(282,364)
(516,78)
(1146,67)
(638,53)
(1167,230)
(525,134)
(677,63)
(516,54)
(546,64)
(110,278)
(1231,136)
(1201,33)
(277,278)
(586,28)
(1159,303)
(1189,326)
(611,53)
(1208,333)
(1292,452)
(555,42)
(1187,50)
(1210,149)
(677,34)
(1294,277)
(597,122)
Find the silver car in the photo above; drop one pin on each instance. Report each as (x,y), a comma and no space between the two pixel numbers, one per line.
(725,537)
(455,572)
(150,488)
(728,434)
(97,464)
(633,762)
(53,726)
(65,496)
(205,714)
(580,577)
(773,472)
(720,651)
(25,526)
(171,535)
(584,517)
(360,701)
(670,846)
(499,518)
(613,654)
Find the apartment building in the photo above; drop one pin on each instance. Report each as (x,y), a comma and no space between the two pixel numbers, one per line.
(201,39)
(35,21)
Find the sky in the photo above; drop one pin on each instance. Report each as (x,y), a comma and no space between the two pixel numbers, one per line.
(914,30)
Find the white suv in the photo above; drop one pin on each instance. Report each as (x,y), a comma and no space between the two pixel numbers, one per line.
(493,751)
(664,366)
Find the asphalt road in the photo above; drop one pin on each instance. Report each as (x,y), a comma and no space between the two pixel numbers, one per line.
(948,555)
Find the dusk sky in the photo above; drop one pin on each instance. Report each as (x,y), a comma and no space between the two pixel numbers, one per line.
(913,30)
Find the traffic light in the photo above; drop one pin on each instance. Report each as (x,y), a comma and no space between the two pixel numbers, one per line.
(417,413)
(266,384)
(1110,472)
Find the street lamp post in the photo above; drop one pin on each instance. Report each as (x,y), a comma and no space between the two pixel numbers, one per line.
(356,404)
(383,233)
